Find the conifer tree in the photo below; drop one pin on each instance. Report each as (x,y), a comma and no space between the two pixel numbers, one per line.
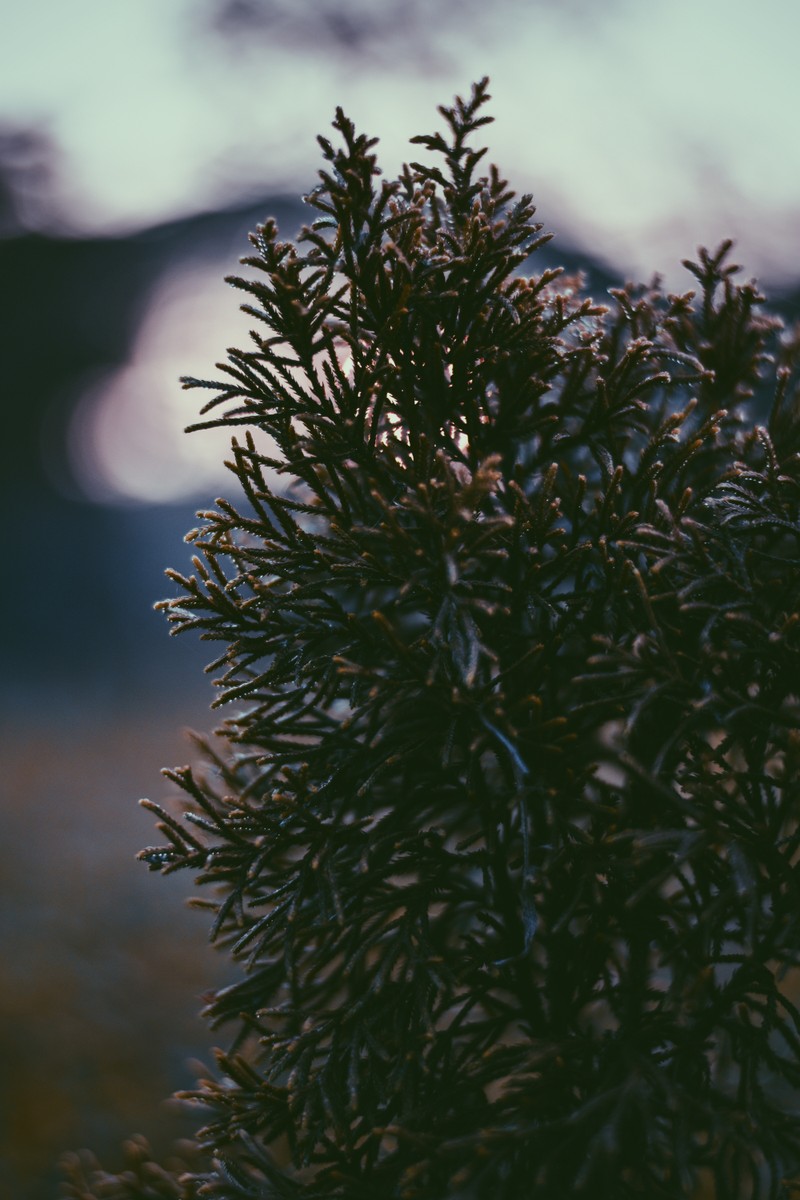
(503,837)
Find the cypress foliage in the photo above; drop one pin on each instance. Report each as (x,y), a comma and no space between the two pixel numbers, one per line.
(504,834)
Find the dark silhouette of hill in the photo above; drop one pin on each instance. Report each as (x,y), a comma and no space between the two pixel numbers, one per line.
(78,600)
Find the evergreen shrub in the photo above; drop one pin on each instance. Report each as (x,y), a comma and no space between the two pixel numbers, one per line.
(503,835)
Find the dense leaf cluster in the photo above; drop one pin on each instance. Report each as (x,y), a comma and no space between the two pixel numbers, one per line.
(504,829)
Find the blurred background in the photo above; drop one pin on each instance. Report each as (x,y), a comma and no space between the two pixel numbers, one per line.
(139,142)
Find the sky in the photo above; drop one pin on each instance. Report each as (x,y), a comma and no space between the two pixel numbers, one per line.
(642,128)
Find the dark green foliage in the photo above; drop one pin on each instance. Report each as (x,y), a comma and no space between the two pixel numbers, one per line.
(503,833)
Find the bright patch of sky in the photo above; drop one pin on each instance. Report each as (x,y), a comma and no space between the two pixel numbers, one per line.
(643,128)
(637,124)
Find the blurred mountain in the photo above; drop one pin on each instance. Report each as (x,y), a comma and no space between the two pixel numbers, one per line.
(77,605)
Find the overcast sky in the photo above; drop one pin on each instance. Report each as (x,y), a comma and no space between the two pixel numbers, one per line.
(642,127)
